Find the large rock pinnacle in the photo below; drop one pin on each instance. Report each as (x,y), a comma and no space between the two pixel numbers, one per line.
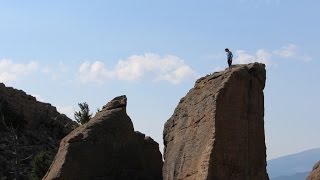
(217,130)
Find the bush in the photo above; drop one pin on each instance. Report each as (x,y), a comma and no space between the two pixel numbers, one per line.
(40,166)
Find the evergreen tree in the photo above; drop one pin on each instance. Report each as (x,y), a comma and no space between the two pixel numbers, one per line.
(40,166)
(83,116)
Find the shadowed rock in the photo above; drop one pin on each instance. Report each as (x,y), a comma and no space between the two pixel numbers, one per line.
(217,129)
(107,148)
(27,127)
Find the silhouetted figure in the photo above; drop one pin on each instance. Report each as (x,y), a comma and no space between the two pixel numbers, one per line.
(229,56)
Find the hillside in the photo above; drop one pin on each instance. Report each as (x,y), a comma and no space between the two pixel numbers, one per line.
(27,127)
(299,163)
(296,176)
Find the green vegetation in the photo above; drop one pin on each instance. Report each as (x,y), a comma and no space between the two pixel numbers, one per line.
(83,116)
(40,166)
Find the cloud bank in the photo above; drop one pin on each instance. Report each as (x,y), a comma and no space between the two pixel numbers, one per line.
(289,51)
(10,71)
(263,56)
(138,67)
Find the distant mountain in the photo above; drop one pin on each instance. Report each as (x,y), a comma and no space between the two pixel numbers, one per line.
(297,176)
(294,166)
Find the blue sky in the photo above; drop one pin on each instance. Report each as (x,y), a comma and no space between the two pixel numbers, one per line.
(66,52)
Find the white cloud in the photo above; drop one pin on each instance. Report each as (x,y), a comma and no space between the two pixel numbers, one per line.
(10,71)
(67,110)
(95,72)
(243,57)
(262,56)
(169,68)
(291,51)
(288,51)
(178,75)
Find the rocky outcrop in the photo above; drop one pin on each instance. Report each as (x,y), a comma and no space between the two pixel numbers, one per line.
(107,148)
(315,173)
(27,127)
(217,129)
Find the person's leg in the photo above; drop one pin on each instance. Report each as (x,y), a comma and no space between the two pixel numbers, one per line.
(229,62)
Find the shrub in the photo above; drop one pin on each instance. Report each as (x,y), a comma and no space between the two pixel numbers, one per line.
(40,166)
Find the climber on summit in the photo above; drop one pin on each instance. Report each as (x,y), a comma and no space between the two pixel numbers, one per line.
(229,56)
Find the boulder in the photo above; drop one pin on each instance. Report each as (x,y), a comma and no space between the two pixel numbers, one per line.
(107,147)
(217,129)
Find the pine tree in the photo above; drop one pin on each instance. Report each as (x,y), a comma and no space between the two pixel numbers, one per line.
(83,116)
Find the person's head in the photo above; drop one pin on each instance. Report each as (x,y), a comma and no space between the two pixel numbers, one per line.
(226,49)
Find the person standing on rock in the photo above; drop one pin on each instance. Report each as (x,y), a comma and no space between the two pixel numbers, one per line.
(229,56)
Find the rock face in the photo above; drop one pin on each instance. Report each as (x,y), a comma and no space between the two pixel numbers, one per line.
(315,173)
(107,148)
(26,128)
(217,130)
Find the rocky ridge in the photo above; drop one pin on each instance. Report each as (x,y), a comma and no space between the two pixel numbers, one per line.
(27,127)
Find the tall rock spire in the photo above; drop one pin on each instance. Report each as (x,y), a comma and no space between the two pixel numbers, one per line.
(217,129)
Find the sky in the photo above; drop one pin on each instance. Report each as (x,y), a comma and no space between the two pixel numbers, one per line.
(68,52)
